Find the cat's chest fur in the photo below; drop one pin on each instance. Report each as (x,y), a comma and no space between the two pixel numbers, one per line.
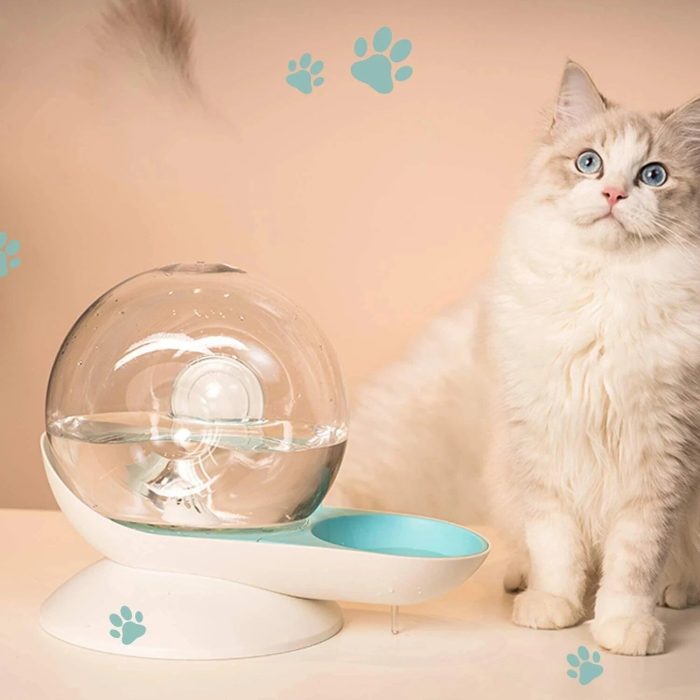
(593,353)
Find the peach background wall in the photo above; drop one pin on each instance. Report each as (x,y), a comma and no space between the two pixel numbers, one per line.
(373,211)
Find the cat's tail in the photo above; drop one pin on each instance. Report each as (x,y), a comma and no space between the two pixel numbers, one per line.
(149,39)
(418,430)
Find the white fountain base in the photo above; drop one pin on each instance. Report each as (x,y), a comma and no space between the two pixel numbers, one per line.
(136,612)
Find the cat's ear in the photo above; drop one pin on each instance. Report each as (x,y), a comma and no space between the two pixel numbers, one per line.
(686,122)
(578,100)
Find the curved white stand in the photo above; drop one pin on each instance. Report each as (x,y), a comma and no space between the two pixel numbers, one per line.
(181,616)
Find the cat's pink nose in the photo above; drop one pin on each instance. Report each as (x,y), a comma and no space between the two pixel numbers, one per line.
(614,194)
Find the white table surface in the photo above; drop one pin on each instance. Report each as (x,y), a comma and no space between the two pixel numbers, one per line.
(459,646)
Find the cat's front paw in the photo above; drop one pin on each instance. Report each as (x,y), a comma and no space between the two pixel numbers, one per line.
(545,611)
(679,596)
(634,636)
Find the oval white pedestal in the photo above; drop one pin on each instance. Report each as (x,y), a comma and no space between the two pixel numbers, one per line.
(136,612)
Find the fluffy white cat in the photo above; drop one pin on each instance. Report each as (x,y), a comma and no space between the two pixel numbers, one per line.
(582,362)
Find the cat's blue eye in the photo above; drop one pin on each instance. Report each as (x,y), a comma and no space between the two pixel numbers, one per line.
(589,163)
(653,174)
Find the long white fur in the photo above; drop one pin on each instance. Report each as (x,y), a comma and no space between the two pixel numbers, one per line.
(419,429)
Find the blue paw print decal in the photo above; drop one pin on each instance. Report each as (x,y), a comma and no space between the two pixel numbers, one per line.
(306,77)
(127,626)
(8,253)
(377,70)
(584,666)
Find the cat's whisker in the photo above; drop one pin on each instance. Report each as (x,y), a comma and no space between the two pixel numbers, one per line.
(674,229)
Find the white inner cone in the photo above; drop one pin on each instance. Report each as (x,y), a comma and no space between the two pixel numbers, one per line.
(217,388)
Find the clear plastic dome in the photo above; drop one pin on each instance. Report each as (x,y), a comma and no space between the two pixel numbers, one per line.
(194,396)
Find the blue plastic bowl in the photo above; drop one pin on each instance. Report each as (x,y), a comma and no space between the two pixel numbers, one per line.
(399,534)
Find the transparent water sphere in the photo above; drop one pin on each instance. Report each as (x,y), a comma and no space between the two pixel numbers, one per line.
(194,396)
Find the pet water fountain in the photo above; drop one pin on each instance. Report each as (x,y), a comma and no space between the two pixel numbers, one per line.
(195,420)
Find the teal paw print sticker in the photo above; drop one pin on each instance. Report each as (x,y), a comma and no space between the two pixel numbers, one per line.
(584,666)
(127,626)
(377,70)
(8,253)
(306,76)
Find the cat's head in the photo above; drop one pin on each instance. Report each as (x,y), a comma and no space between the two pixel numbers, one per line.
(620,176)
